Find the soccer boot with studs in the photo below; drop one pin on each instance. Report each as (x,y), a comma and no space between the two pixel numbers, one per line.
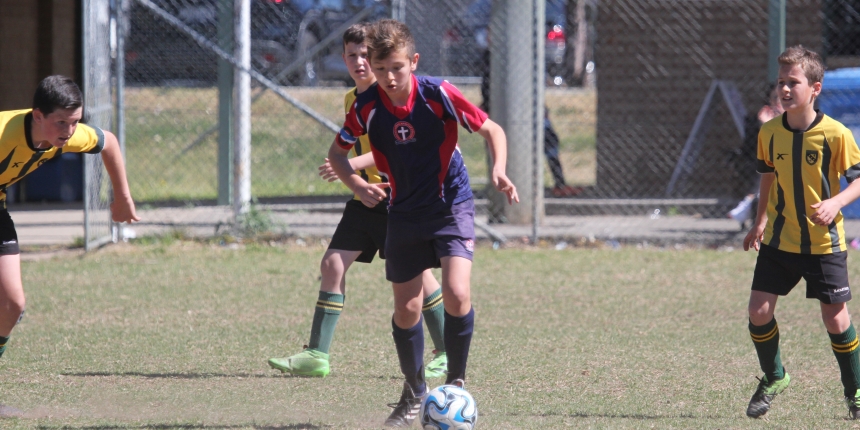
(306,363)
(764,394)
(406,409)
(853,404)
(438,366)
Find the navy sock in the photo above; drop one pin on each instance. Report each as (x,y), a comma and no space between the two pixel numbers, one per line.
(410,351)
(458,337)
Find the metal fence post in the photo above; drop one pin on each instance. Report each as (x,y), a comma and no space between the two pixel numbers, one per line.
(775,36)
(225,104)
(242,109)
(516,79)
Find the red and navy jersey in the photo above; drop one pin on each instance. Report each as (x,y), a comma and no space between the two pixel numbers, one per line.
(415,146)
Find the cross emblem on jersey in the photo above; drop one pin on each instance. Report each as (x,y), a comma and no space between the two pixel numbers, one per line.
(403,132)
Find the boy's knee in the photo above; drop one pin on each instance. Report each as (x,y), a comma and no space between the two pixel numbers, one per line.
(760,314)
(331,267)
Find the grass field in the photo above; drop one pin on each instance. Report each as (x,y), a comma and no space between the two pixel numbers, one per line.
(165,162)
(176,335)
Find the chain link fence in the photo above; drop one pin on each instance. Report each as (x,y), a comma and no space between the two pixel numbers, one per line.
(649,106)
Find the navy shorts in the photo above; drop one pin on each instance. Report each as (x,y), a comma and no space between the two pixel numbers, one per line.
(826,275)
(362,229)
(417,244)
(8,235)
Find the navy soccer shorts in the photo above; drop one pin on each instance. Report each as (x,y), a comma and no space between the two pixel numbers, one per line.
(826,275)
(416,244)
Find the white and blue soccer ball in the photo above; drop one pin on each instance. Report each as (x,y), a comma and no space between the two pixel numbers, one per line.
(448,407)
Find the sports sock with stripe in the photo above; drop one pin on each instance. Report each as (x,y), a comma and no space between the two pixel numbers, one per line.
(434,315)
(458,337)
(766,341)
(328,308)
(848,356)
(410,351)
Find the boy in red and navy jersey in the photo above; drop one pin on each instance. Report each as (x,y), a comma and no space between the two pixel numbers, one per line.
(415,145)
(412,124)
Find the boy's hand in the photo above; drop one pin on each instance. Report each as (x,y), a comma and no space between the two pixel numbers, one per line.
(372,194)
(326,172)
(754,238)
(503,184)
(122,210)
(825,211)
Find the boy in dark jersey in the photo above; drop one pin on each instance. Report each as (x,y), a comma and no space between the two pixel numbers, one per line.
(29,138)
(359,235)
(412,124)
(798,229)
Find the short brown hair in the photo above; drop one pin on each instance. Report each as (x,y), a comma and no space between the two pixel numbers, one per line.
(57,92)
(356,34)
(386,36)
(809,61)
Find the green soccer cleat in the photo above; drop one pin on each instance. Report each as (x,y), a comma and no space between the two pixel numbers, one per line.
(306,363)
(764,394)
(438,366)
(853,404)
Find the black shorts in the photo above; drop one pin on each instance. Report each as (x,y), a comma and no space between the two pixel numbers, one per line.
(8,235)
(362,229)
(826,275)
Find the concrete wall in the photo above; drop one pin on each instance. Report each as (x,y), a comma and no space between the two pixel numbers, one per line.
(38,38)
(656,60)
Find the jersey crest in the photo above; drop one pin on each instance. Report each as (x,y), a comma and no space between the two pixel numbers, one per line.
(404,133)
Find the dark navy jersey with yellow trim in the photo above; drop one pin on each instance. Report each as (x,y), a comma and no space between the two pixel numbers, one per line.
(807,165)
(371,175)
(18,156)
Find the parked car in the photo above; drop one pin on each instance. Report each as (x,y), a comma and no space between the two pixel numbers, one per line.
(281,31)
(465,45)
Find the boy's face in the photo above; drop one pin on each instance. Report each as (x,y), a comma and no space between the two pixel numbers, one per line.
(355,57)
(795,92)
(394,73)
(56,127)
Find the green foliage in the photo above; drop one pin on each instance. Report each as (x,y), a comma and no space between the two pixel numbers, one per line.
(258,221)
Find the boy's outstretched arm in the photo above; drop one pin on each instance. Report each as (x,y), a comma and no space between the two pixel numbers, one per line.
(370,194)
(122,208)
(498,144)
(756,233)
(363,161)
(826,210)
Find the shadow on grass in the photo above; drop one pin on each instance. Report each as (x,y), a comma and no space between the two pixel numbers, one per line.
(191,426)
(218,375)
(168,375)
(620,416)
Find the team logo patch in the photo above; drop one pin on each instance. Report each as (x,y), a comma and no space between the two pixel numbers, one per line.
(811,157)
(470,245)
(403,133)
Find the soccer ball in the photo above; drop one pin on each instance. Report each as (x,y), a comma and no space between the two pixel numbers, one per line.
(448,407)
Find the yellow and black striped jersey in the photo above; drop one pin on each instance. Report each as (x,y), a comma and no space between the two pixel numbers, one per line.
(371,175)
(18,156)
(808,165)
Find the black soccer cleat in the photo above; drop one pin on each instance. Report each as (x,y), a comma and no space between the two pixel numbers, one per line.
(853,404)
(406,409)
(764,394)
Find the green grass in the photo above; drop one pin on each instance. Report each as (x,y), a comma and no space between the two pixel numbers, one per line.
(175,334)
(164,163)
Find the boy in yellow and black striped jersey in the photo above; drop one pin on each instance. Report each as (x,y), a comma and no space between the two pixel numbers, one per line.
(798,229)
(29,138)
(359,235)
